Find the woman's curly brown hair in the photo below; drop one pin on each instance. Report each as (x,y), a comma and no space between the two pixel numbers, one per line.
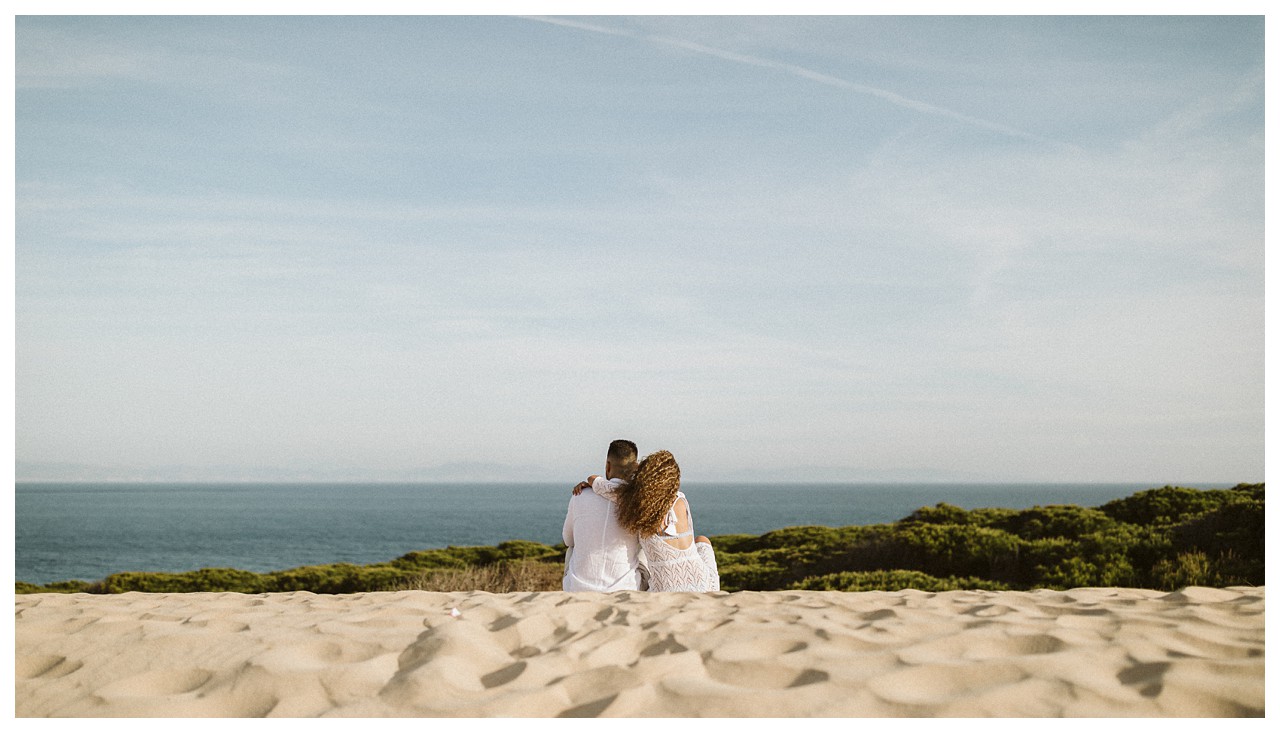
(643,504)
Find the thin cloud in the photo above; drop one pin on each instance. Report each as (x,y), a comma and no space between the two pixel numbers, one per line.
(579,25)
(809,74)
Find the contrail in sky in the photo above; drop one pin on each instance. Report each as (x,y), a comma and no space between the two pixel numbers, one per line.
(800,71)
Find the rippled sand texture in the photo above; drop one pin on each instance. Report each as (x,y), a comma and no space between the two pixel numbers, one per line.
(1087,652)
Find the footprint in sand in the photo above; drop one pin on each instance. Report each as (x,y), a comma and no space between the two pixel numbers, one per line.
(45,666)
(742,663)
(937,684)
(318,654)
(157,683)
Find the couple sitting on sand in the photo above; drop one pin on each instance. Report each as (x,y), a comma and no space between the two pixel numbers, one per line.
(630,512)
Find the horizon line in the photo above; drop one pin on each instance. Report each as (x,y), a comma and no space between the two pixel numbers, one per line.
(861,482)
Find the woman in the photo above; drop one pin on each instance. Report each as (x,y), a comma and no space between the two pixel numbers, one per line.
(653,507)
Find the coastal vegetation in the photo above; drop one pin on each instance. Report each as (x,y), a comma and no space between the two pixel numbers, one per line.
(1165,539)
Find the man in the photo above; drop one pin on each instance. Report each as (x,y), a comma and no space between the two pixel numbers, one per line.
(601,555)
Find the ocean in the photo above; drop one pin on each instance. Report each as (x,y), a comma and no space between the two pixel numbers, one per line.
(88,531)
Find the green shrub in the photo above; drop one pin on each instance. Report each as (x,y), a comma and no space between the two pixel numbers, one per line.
(938,549)
(790,538)
(990,516)
(891,580)
(470,556)
(759,570)
(1170,504)
(1188,568)
(1097,571)
(1232,568)
(1055,521)
(203,580)
(1141,547)
(1238,527)
(70,586)
(942,513)
(1251,491)
(339,578)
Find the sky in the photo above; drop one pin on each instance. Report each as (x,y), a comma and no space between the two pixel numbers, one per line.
(849,248)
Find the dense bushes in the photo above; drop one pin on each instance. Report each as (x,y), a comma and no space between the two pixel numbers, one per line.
(893,580)
(206,579)
(62,586)
(1175,504)
(462,557)
(1164,538)
(507,564)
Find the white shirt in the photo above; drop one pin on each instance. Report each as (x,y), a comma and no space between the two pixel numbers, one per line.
(602,556)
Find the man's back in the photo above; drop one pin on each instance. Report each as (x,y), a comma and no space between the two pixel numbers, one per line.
(602,556)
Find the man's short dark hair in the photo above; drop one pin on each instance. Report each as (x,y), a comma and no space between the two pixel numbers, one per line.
(623,452)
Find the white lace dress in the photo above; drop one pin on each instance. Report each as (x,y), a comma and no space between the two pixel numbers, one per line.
(671,567)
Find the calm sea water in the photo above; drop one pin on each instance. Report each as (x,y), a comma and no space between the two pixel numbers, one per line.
(88,531)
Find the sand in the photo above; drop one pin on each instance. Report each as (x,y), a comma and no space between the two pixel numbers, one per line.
(1085,652)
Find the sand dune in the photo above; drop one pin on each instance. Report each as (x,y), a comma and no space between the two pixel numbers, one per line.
(1086,652)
